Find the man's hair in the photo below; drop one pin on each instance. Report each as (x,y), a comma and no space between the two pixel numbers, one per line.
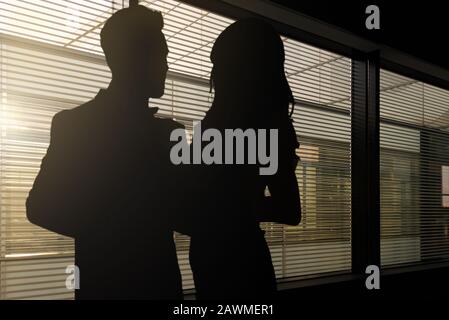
(126,30)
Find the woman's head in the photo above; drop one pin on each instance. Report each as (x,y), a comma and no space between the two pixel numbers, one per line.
(248,66)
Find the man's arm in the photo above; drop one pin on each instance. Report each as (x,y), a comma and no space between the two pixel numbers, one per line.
(56,200)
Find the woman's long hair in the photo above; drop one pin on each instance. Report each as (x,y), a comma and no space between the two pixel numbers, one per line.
(248,73)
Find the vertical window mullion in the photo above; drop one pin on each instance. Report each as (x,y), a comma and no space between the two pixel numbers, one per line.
(365,143)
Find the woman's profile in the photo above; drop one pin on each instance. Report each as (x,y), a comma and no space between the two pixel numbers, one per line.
(229,255)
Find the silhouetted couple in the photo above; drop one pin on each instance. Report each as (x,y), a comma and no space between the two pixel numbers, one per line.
(108,182)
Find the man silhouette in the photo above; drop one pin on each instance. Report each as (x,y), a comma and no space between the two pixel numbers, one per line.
(107,179)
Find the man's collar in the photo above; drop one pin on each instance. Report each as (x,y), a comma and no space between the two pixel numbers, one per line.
(122,103)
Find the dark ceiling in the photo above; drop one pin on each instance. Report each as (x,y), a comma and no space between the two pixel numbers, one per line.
(419,28)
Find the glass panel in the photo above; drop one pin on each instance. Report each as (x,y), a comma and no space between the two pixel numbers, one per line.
(39,80)
(414,139)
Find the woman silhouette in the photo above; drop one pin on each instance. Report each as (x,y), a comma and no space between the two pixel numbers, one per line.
(228,252)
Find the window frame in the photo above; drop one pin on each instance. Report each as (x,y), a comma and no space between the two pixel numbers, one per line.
(366,248)
(374,57)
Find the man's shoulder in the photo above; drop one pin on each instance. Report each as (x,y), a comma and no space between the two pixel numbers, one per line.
(75,116)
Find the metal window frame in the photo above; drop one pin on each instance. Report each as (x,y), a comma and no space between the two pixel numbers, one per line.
(365,162)
(326,36)
(367,58)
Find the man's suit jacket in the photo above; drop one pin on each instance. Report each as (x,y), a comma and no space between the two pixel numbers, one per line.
(108,182)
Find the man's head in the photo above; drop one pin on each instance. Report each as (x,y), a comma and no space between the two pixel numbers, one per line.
(136,50)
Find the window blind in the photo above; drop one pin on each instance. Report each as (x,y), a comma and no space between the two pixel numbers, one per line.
(50,60)
(414,136)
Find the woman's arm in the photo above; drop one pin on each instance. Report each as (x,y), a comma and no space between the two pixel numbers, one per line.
(283,205)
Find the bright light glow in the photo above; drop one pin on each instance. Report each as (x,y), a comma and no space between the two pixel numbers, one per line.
(30,255)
